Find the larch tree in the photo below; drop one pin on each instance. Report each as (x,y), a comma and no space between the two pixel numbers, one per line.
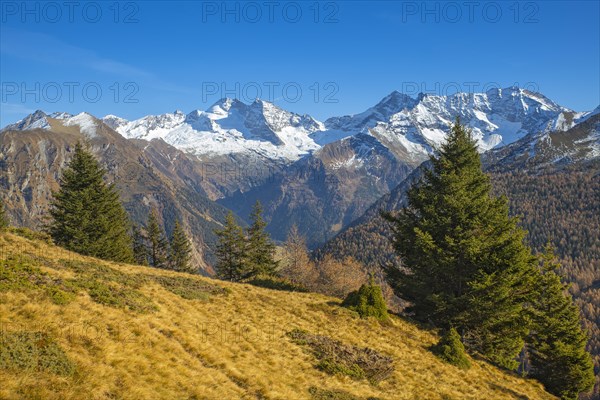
(296,264)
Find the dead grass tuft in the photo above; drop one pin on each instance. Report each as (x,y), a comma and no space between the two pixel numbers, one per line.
(336,357)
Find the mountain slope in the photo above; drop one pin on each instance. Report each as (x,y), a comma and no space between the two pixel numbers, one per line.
(323,193)
(579,141)
(146,173)
(159,334)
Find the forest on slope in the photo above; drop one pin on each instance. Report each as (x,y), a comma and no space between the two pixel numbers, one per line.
(557,205)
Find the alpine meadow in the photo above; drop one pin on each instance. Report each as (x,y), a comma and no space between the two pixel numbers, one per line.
(300,234)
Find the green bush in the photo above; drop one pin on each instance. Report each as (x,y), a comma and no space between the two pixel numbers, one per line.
(97,271)
(15,274)
(368,301)
(109,293)
(19,274)
(33,351)
(58,296)
(451,350)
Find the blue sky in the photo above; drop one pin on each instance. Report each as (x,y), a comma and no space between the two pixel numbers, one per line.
(321,58)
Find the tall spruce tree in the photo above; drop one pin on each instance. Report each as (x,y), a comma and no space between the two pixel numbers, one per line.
(464,264)
(260,248)
(87,214)
(3,217)
(157,242)
(181,251)
(140,246)
(231,251)
(557,353)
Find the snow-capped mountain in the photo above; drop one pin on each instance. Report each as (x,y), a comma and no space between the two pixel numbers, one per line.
(228,127)
(579,140)
(37,120)
(497,117)
(409,127)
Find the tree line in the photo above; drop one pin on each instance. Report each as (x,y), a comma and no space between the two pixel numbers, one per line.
(87,216)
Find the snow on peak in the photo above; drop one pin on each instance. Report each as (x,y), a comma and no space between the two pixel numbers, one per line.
(230,126)
(222,106)
(407,125)
(60,115)
(36,120)
(86,122)
(148,127)
(496,117)
(113,121)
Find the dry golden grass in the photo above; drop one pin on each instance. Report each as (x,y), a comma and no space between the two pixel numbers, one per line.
(231,346)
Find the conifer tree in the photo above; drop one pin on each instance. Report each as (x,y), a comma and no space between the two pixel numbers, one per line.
(231,251)
(464,261)
(181,251)
(3,217)
(368,301)
(158,244)
(451,349)
(140,246)
(87,215)
(557,353)
(260,248)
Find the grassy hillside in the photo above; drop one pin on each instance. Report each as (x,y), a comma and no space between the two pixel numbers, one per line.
(74,327)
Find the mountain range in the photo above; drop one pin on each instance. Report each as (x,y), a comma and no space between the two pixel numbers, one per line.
(319,176)
(328,178)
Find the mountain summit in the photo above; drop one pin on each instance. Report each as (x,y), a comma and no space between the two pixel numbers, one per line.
(228,127)
(406,125)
